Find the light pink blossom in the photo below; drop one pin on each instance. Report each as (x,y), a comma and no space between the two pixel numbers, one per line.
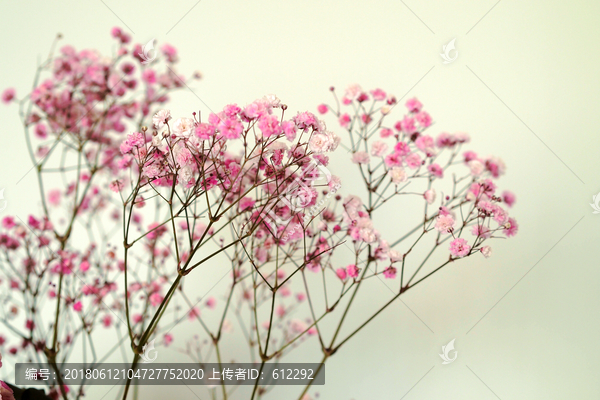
(459,247)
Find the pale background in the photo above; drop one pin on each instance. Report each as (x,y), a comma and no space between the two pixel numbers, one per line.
(526,87)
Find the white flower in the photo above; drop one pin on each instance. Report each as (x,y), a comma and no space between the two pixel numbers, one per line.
(368,235)
(272,100)
(386,109)
(160,118)
(486,251)
(183,127)
(156,141)
(319,143)
(185,174)
(476,167)
(334,141)
(397,175)
(395,256)
(429,196)
(378,149)
(353,91)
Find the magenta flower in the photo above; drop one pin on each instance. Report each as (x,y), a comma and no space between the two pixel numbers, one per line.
(8,95)
(459,247)
(390,272)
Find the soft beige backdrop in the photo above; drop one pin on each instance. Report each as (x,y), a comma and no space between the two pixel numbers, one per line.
(526,87)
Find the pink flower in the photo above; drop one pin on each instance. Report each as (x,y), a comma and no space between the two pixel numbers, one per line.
(155,299)
(289,129)
(407,125)
(149,76)
(423,119)
(8,222)
(459,247)
(500,215)
(116,185)
(352,270)
(389,272)
(230,128)
(413,161)
(84,266)
(341,273)
(511,227)
(155,230)
(246,203)
(444,223)
(77,306)
(232,110)
(360,157)
(402,148)
(41,131)
(193,313)
(54,197)
(29,324)
(425,144)
(495,166)
(269,125)
(378,94)
(481,231)
(508,198)
(170,52)
(386,132)
(205,131)
(414,105)
(468,155)
(8,95)
(107,321)
(184,157)
(167,339)
(344,120)
(322,108)
(393,160)
(211,302)
(436,170)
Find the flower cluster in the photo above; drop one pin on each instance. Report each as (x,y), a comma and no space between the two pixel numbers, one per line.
(392,155)
(151,200)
